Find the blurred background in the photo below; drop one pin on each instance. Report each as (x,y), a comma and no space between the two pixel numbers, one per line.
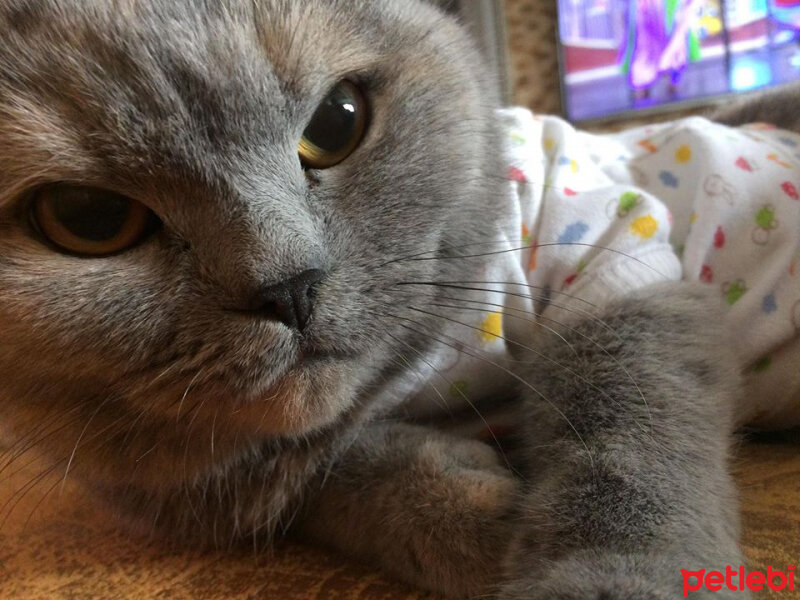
(602,60)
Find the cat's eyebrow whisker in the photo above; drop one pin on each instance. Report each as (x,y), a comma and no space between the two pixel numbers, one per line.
(502,368)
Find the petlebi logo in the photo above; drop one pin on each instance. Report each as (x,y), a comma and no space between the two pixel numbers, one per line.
(738,580)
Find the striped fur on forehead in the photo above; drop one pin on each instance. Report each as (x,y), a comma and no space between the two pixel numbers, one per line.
(145,85)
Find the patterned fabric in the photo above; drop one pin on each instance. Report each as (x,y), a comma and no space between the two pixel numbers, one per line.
(590,218)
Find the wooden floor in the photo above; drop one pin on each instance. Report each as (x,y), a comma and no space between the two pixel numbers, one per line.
(67,547)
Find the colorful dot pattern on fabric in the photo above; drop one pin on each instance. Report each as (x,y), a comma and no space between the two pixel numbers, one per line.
(534,260)
(734,291)
(669,179)
(719,238)
(769,304)
(779,161)
(745,165)
(648,145)
(526,234)
(516,174)
(707,274)
(492,328)
(683,154)
(645,227)
(518,138)
(603,215)
(573,233)
(627,202)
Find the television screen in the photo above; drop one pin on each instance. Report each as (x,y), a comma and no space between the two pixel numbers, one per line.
(625,55)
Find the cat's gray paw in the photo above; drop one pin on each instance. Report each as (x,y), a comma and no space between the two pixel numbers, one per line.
(431,509)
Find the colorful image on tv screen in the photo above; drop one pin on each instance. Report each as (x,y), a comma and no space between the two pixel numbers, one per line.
(624,55)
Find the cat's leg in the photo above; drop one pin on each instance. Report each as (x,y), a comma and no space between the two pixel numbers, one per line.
(428,508)
(628,481)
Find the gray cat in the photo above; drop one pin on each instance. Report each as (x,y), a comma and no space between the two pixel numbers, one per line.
(206,212)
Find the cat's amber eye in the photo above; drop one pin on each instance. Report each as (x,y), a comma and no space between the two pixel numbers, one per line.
(89,221)
(337,127)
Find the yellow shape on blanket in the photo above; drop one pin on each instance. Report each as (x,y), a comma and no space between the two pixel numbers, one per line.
(684,154)
(549,144)
(777,160)
(492,328)
(645,227)
(574,166)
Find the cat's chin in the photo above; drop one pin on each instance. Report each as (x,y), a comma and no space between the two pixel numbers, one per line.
(310,396)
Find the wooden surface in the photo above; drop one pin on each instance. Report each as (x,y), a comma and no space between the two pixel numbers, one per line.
(58,544)
(768,473)
(69,548)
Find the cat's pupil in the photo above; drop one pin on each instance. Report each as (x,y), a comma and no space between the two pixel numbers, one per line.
(336,128)
(334,122)
(89,215)
(89,221)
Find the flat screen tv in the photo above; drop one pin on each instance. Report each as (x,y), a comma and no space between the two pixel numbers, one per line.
(622,56)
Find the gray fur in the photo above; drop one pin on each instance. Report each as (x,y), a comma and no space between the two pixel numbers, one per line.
(778,107)
(139,373)
(643,493)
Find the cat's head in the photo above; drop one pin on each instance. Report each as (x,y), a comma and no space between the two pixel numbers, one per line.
(202,208)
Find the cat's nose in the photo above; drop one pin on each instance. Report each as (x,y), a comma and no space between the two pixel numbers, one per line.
(291,301)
